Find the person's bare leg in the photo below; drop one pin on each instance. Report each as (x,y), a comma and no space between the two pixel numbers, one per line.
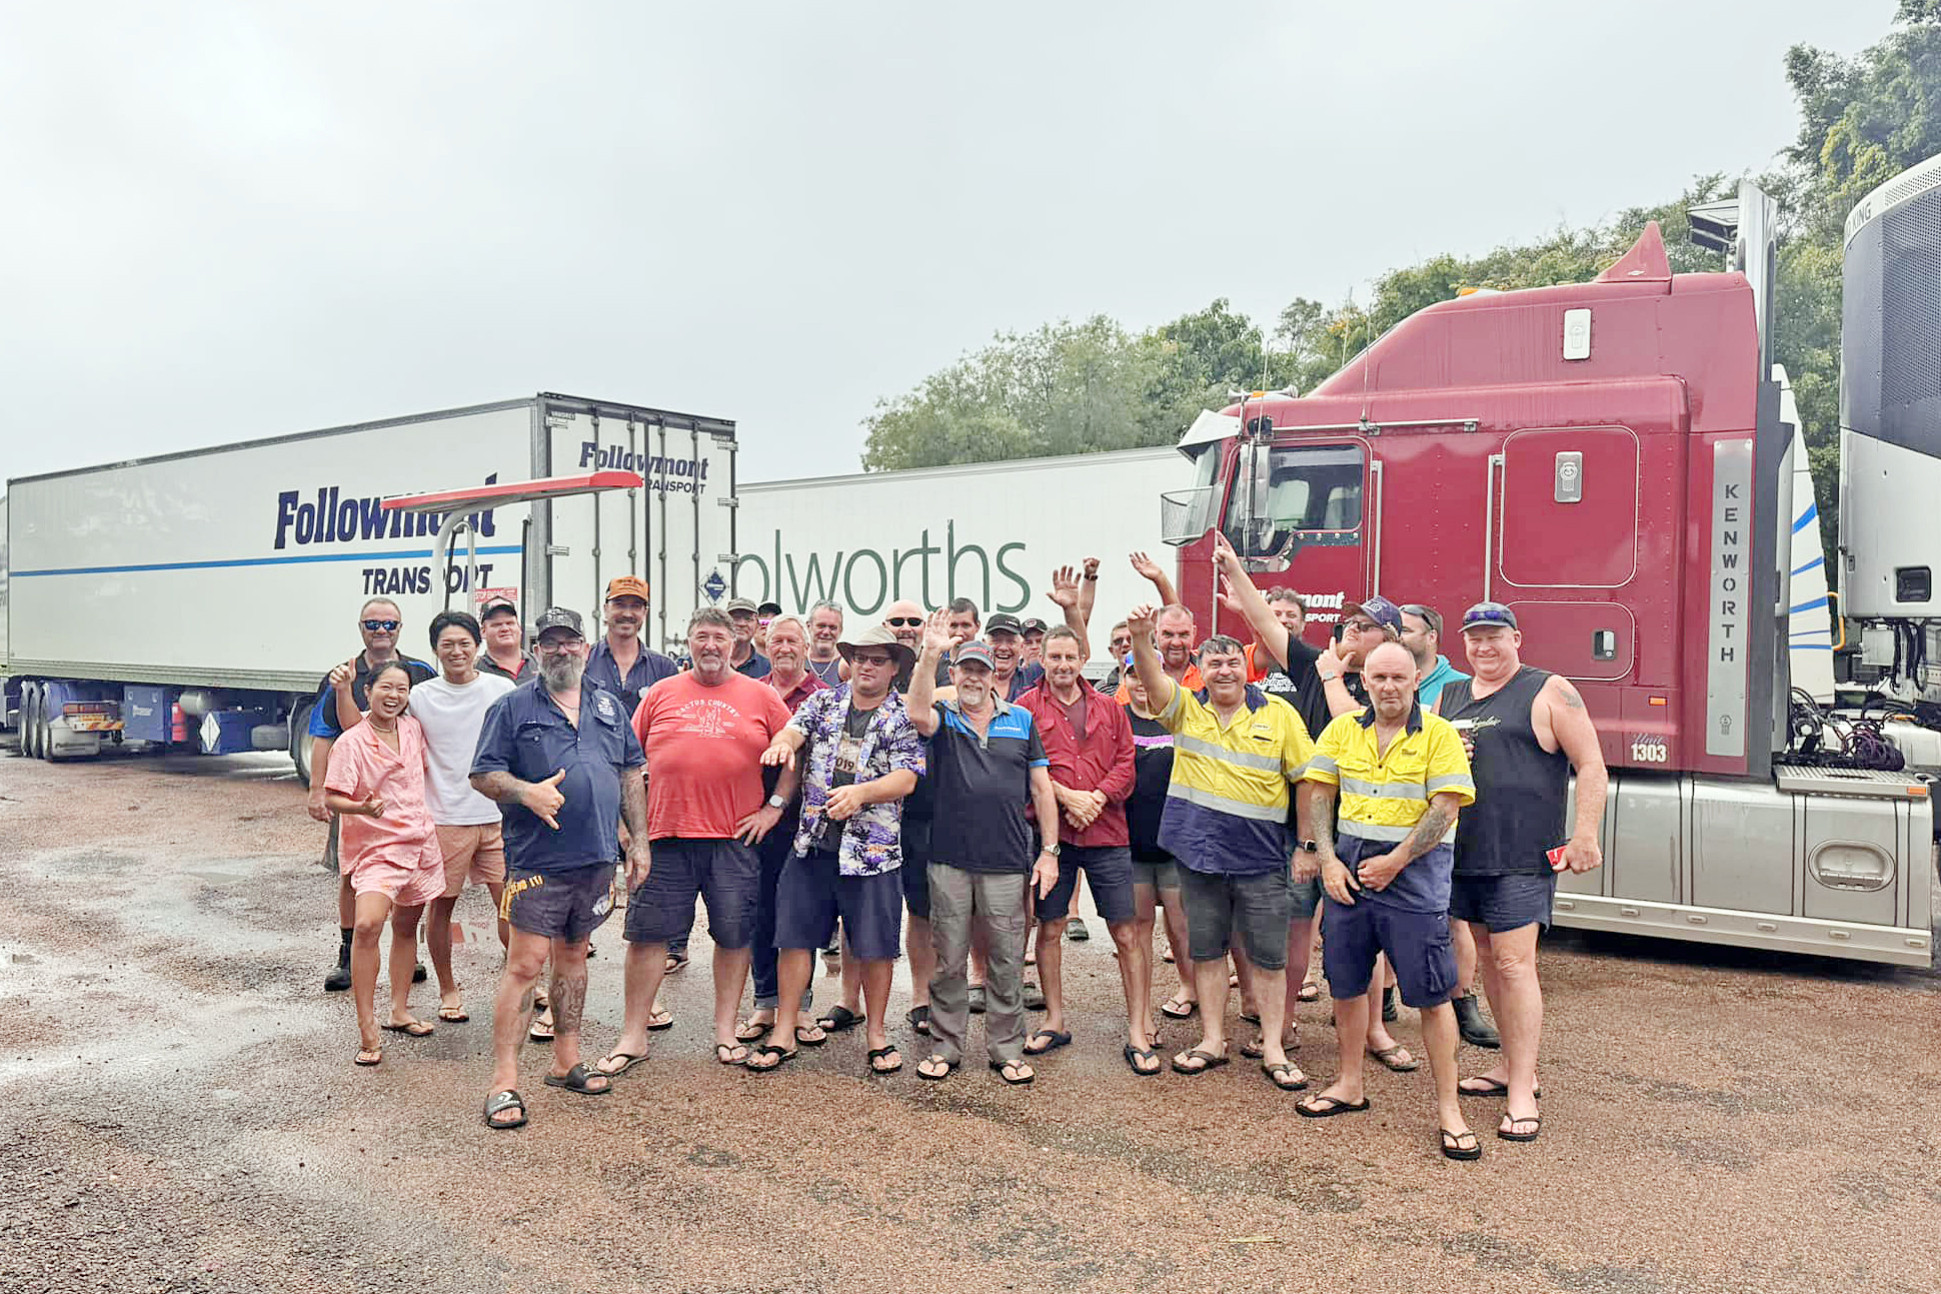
(730,978)
(1508,961)
(1379,1038)
(1211,978)
(512,1005)
(852,978)
(1145,913)
(1350,1035)
(346,902)
(1051,973)
(1300,942)
(1270,987)
(1439,1040)
(793,967)
(645,966)
(1244,972)
(1173,908)
(877,978)
(438,942)
(569,1007)
(1465,946)
(404,961)
(1135,977)
(917,942)
(497,890)
(367,928)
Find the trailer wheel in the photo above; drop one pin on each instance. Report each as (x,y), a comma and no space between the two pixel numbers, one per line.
(43,730)
(300,741)
(29,718)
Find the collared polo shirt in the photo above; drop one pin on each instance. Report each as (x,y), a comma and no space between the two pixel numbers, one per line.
(527,735)
(323,715)
(1227,803)
(981,786)
(1385,793)
(756,666)
(649,668)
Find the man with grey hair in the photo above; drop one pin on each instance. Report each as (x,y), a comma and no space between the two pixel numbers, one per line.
(703,732)
(825,631)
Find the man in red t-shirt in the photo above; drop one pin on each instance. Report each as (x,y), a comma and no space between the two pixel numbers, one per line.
(704,732)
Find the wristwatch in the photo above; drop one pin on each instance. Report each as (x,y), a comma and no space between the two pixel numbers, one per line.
(1308,846)
(777,802)
(1326,678)
(1051,849)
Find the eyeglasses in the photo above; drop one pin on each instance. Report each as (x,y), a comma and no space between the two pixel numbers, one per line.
(871,659)
(382,626)
(1361,626)
(555,646)
(904,622)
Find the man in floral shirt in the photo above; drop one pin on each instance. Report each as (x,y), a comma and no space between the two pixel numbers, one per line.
(861,757)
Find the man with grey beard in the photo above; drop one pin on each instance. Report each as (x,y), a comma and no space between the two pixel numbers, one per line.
(565,767)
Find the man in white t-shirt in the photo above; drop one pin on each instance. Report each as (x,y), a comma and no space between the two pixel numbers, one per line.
(451,709)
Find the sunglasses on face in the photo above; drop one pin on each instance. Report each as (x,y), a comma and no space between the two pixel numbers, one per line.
(860,659)
(1362,626)
(903,622)
(382,626)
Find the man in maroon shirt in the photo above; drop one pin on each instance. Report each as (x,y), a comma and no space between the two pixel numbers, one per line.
(1088,741)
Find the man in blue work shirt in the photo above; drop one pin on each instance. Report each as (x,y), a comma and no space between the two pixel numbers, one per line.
(562,761)
(620,662)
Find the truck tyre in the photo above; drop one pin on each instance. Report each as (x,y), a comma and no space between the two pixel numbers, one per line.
(300,741)
(43,729)
(29,718)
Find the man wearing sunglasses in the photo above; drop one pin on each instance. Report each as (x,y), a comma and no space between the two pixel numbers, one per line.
(341,708)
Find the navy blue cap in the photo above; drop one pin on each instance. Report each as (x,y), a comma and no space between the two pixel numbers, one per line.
(1485,614)
(1380,610)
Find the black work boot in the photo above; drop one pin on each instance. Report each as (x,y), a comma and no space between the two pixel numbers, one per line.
(339,980)
(1476,1030)
(1390,1011)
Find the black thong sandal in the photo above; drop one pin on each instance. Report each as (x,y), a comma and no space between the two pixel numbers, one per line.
(1052,1039)
(1208,1060)
(919,1018)
(627,1061)
(1453,1148)
(499,1103)
(1286,1075)
(1000,1066)
(1489,1087)
(578,1079)
(752,1030)
(1173,1010)
(1312,1108)
(1136,1054)
(950,1067)
(410,1029)
(1535,1122)
(840,1019)
(783,1055)
(882,1053)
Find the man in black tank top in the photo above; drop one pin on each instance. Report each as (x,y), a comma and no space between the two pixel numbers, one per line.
(1526,729)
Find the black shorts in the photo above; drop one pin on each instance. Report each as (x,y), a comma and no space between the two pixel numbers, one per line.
(1255,908)
(1417,944)
(916,866)
(558,905)
(812,892)
(1108,869)
(724,872)
(1503,903)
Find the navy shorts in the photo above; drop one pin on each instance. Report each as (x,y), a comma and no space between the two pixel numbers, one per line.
(1503,903)
(916,866)
(813,892)
(1108,870)
(559,905)
(726,873)
(1254,908)
(1417,944)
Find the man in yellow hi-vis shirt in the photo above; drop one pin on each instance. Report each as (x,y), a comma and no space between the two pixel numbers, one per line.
(1401,776)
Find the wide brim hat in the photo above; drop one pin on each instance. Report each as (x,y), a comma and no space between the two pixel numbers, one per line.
(878,636)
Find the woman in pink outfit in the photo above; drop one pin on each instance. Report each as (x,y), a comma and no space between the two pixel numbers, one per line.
(376,783)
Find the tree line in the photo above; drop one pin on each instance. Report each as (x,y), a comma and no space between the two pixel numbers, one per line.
(1092,385)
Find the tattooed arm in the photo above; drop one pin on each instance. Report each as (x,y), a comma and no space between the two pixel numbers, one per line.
(1377,872)
(633,812)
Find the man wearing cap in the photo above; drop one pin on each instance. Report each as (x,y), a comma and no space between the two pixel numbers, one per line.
(565,768)
(1401,778)
(988,762)
(825,631)
(861,756)
(1236,754)
(1528,729)
(504,640)
(1011,674)
(765,614)
(703,732)
(620,662)
(746,617)
(1032,651)
(338,709)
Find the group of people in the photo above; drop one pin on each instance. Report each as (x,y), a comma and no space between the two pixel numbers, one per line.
(936,785)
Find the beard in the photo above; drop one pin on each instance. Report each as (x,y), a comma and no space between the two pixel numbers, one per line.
(561,673)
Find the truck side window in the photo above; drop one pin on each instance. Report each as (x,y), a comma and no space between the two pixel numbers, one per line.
(1287,496)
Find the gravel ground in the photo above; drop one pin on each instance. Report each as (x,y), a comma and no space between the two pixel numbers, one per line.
(181,1114)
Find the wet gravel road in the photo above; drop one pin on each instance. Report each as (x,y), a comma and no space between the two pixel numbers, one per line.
(178,1111)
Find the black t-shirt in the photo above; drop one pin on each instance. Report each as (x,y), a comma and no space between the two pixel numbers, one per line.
(326,711)
(855,724)
(982,785)
(1296,682)
(1152,773)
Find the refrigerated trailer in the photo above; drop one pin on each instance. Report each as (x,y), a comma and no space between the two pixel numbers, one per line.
(195,599)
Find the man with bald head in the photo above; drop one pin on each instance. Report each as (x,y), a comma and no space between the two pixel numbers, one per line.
(1401,776)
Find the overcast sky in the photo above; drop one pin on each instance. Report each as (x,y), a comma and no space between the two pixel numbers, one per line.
(228,220)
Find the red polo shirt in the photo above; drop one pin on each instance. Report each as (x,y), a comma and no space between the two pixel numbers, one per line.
(1098,760)
(795,696)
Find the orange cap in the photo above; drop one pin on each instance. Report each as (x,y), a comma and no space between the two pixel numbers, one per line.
(626,586)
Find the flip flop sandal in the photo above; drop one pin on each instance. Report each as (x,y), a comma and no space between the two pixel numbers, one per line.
(1136,1054)
(752,1031)
(1286,1070)
(1208,1060)
(999,1067)
(452,1015)
(1255,1049)
(919,1018)
(498,1103)
(1312,1108)
(665,1020)
(1172,1009)
(731,1049)
(675,964)
(540,1032)
(628,1061)
(1453,1148)
(1493,1088)
(1308,993)
(878,1053)
(839,1020)
(578,1079)
(821,1036)
(376,1056)
(410,1029)
(1034,997)
(1387,1056)
(1250,1017)
(1054,1039)
(783,1054)
(950,1067)
(1512,1120)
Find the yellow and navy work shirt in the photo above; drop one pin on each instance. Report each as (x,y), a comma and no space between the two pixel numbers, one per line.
(1226,806)
(1385,793)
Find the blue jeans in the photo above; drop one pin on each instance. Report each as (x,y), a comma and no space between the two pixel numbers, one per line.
(774,852)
